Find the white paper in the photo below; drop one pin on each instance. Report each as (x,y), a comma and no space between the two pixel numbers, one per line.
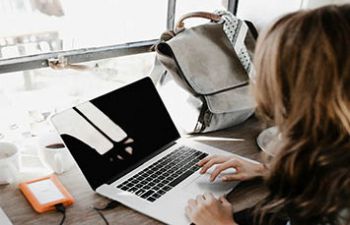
(4,220)
(45,191)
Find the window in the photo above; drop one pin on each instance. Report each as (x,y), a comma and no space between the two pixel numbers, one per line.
(109,40)
(37,26)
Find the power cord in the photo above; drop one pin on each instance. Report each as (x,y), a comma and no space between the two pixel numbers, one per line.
(62,209)
(110,205)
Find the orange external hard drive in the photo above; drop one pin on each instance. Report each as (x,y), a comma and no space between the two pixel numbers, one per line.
(44,193)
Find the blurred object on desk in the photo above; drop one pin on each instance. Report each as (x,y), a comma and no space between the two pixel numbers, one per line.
(9,162)
(268,139)
(4,220)
(54,154)
(31,165)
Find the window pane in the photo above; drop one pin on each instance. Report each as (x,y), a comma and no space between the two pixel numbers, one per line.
(27,98)
(261,13)
(186,6)
(31,27)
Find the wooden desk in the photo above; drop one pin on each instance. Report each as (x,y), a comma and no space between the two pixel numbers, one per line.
(21,213)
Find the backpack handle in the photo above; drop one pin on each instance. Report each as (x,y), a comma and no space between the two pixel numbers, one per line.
(180,25)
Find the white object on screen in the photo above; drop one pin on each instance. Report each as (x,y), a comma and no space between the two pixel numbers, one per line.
(102,121)
(73,124)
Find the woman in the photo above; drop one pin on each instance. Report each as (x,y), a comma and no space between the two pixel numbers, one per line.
(303,87)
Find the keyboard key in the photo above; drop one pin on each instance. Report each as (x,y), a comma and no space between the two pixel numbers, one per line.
(143,173)
(169,179)
(161,192)
(151,199)
(129,184)
(151,184)
(170,171)
(177,173)
(133,189)
(156,188)
(180,178)
(158,173)
(143,182)
(144,177)
(147,187)
(124,188)
(138,185)
(156,181)
(155,195)
(195,168)
(160,185)
(166,188)
(140,192)
(202,156)
(164,182)
(166,174)
(147,194)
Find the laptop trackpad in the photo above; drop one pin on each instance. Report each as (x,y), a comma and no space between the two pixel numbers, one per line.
(202,184)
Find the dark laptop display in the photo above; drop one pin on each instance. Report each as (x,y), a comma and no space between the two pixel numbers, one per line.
(113,133)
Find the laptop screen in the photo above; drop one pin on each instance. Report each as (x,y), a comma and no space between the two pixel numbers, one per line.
(110,134)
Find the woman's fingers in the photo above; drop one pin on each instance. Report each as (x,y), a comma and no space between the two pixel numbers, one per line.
(188,211)
(209,164)
(208,196)
(212,161)
(203,161)
(224,200)
(191,203)
(200,199)
(229,164)
(210,157)
(232,177)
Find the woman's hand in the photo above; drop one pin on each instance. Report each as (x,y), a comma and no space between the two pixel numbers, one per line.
(245,169)
(207,210)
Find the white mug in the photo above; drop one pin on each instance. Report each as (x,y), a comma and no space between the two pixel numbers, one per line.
(9,162)
(54,154)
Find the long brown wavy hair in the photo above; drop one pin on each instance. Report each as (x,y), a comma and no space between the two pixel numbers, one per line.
(303,87)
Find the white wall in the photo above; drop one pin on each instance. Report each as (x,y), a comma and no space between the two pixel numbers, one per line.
(263,12)
(318,3)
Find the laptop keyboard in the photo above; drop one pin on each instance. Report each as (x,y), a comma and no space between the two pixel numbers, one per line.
(160,177)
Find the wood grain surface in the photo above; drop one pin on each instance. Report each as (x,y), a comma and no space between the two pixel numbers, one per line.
(244,195)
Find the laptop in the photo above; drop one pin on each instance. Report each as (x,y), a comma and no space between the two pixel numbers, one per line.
(129,150)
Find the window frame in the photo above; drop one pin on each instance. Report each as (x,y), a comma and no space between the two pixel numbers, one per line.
(82,55)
